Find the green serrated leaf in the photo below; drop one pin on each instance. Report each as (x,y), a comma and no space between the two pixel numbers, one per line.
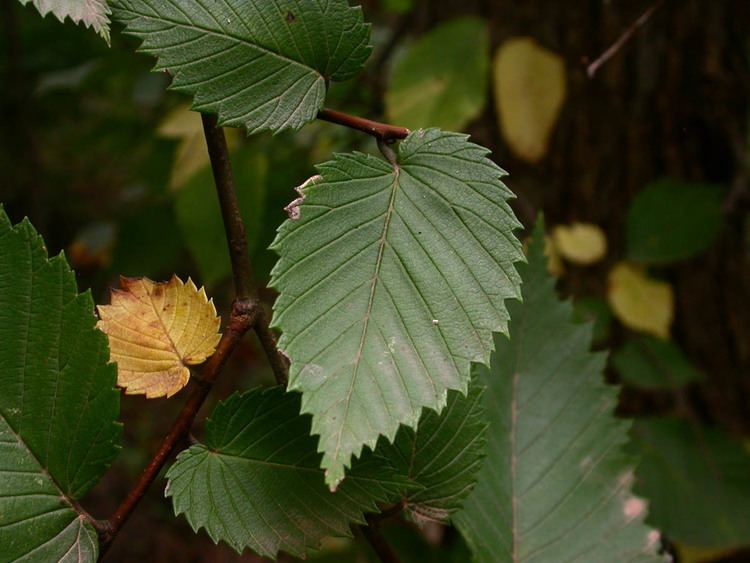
(670,220)
(257,481)
(262,65)
(91,13)
(442,456)
(441,81)
(392,281)
(555,485)
(696,482)
(58,403)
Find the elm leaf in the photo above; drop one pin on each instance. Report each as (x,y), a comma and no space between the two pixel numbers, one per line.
(441,456)
(91,13)
(556,485)
(259,65)
(257,482)
(155,331)
(58,403)
(392,280)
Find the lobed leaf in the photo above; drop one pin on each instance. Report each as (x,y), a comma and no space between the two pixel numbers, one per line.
(392,280)
(257,481)
(262,65)
(155,331)
(58,403)
(555,485)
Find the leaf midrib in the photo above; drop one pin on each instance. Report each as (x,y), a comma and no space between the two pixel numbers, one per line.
(42,470)
(223,35)
(368,311)
(292,467)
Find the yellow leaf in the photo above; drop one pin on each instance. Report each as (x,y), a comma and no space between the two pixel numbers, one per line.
(581,243)
(530,88)
(639,302)
(192,153)
(555,265)
(155,331)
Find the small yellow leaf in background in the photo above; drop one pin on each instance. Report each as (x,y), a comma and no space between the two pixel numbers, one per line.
(155,331)
(192,153)
(581,243)
(530,88)
(639,302)
(555,264)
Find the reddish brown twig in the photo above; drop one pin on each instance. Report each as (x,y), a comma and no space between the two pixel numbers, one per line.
(373,535)
(381,131)
(237,240)
(242,319)
(624,38)
(247,313)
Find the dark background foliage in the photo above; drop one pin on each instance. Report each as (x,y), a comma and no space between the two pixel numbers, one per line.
(81,156)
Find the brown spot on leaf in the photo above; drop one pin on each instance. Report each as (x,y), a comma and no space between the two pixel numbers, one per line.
(290,17)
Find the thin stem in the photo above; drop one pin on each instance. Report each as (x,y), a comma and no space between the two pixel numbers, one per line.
(247,313)
(243,317)
(230,209)
(279,363)
(237,240)
(373,535)
(624,38)
(381,131)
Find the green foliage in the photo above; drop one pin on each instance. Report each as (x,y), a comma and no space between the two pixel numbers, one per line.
(257,483)
(155,228)
(596,311)
(91,13)
(653,363)
(672,220)
(555,485)
(442,80)
(696,480)
(259,65)
(199,215)
(392,281)
(442,455)
(58,404)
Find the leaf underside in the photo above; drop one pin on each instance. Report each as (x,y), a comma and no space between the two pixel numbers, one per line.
(91,13)
(261,65)
(442,456)
(58,403)
(555,485)
(257,482)
(392,281)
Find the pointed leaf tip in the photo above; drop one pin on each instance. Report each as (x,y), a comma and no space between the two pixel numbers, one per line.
(155,331)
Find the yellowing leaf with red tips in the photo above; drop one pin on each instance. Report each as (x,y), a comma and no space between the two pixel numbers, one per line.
(155,331)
